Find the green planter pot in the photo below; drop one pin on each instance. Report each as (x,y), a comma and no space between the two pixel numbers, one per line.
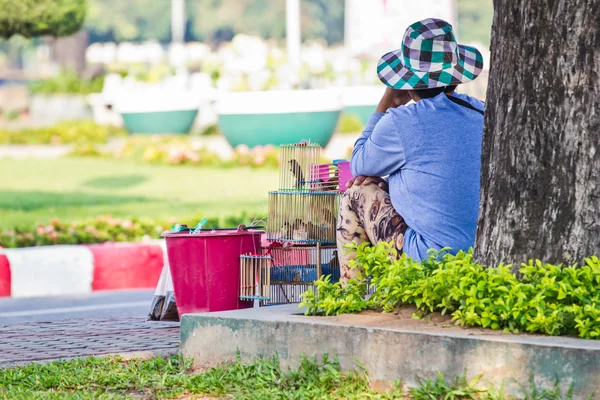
(277,129)
(362,112)
(279,117)
(176,121)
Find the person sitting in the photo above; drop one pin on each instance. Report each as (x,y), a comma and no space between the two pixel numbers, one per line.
(429,150)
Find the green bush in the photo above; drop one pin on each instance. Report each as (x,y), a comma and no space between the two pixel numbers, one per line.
(67,132)
(31,18)
(103,229)
(67,82)
(543,298)
(350,123)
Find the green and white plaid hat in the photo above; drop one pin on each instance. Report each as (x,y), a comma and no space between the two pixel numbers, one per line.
(429,58)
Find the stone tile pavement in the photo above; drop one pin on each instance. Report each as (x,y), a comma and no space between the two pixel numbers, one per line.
(67,339)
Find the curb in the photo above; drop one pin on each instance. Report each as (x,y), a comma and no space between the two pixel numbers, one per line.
(80,269)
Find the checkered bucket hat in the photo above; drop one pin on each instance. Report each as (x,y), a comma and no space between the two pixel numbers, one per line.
(429,58)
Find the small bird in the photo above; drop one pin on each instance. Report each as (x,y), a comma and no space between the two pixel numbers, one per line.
(312,230)
(334,263)
(297,171)
(286,230)
(299,225)
(329,217)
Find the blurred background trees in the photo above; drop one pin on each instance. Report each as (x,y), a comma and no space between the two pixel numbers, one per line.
(220,20)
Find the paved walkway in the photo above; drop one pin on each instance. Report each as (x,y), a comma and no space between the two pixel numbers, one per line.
(47,341)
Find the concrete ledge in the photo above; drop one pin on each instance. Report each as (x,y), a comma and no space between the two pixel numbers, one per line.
(389,351)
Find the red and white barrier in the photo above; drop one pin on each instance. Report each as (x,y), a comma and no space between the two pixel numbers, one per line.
(69,270)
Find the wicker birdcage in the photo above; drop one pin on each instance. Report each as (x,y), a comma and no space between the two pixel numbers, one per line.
(286,273)
(303,217)
(296,160)
(301,228)
(332,177)
(255,277)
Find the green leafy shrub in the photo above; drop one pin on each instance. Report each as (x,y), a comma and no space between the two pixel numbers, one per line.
(66,132)
(350,123)
(67,82)
(103,229)
(32,18)
(211,130)
(544,298)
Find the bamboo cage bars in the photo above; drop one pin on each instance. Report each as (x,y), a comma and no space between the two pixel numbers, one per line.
(286,273)
(296,161)
(301,228)
(302,217)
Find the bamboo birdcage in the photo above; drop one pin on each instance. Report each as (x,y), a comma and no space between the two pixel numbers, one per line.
(255,277)
(286,273)
(303,217)
(301,228)
(296,160)
(332,177)
(304,209)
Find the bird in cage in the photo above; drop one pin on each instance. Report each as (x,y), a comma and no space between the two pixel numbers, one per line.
(330,186)
(299,230)
(286,230)
(311,230)
(297,171)
(334,263)
(327,215)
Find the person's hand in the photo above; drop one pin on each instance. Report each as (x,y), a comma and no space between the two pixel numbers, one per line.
(368,180)
(393,98)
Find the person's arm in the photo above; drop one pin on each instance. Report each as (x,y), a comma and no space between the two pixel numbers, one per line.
(379,139)
(379,151)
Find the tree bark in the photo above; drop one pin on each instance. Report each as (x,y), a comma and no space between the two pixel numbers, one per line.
(69,52)
(540,173)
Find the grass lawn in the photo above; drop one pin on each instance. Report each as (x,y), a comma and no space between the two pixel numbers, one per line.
(172,378)
(113,378)
(33,191)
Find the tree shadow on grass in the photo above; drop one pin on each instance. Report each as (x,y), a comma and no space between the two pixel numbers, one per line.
(35,200)
(115,182)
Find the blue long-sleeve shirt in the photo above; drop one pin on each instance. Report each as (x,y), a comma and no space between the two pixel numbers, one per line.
(431,151)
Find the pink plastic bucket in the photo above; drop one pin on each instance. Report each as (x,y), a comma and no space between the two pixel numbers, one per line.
(206,268)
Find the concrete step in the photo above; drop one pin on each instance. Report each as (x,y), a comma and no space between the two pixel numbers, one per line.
(391,349)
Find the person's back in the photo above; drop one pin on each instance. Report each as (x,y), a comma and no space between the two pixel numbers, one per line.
(439,181)
(431,151)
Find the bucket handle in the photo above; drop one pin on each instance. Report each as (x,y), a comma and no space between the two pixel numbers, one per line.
(243,227)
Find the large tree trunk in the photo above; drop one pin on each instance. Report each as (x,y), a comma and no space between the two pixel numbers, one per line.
(69,52)
(540,177)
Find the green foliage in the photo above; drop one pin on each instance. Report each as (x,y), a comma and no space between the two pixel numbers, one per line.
(67,132)
(544,298)
(32,18)
(475,21)
(67,82)
(137,20)
(428,389)
(211,130)
(333,298)
(531,392)
(208,20)
(323,19)
(93,378)
(173,377)
(130,20)
(103,229)
(350,123)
